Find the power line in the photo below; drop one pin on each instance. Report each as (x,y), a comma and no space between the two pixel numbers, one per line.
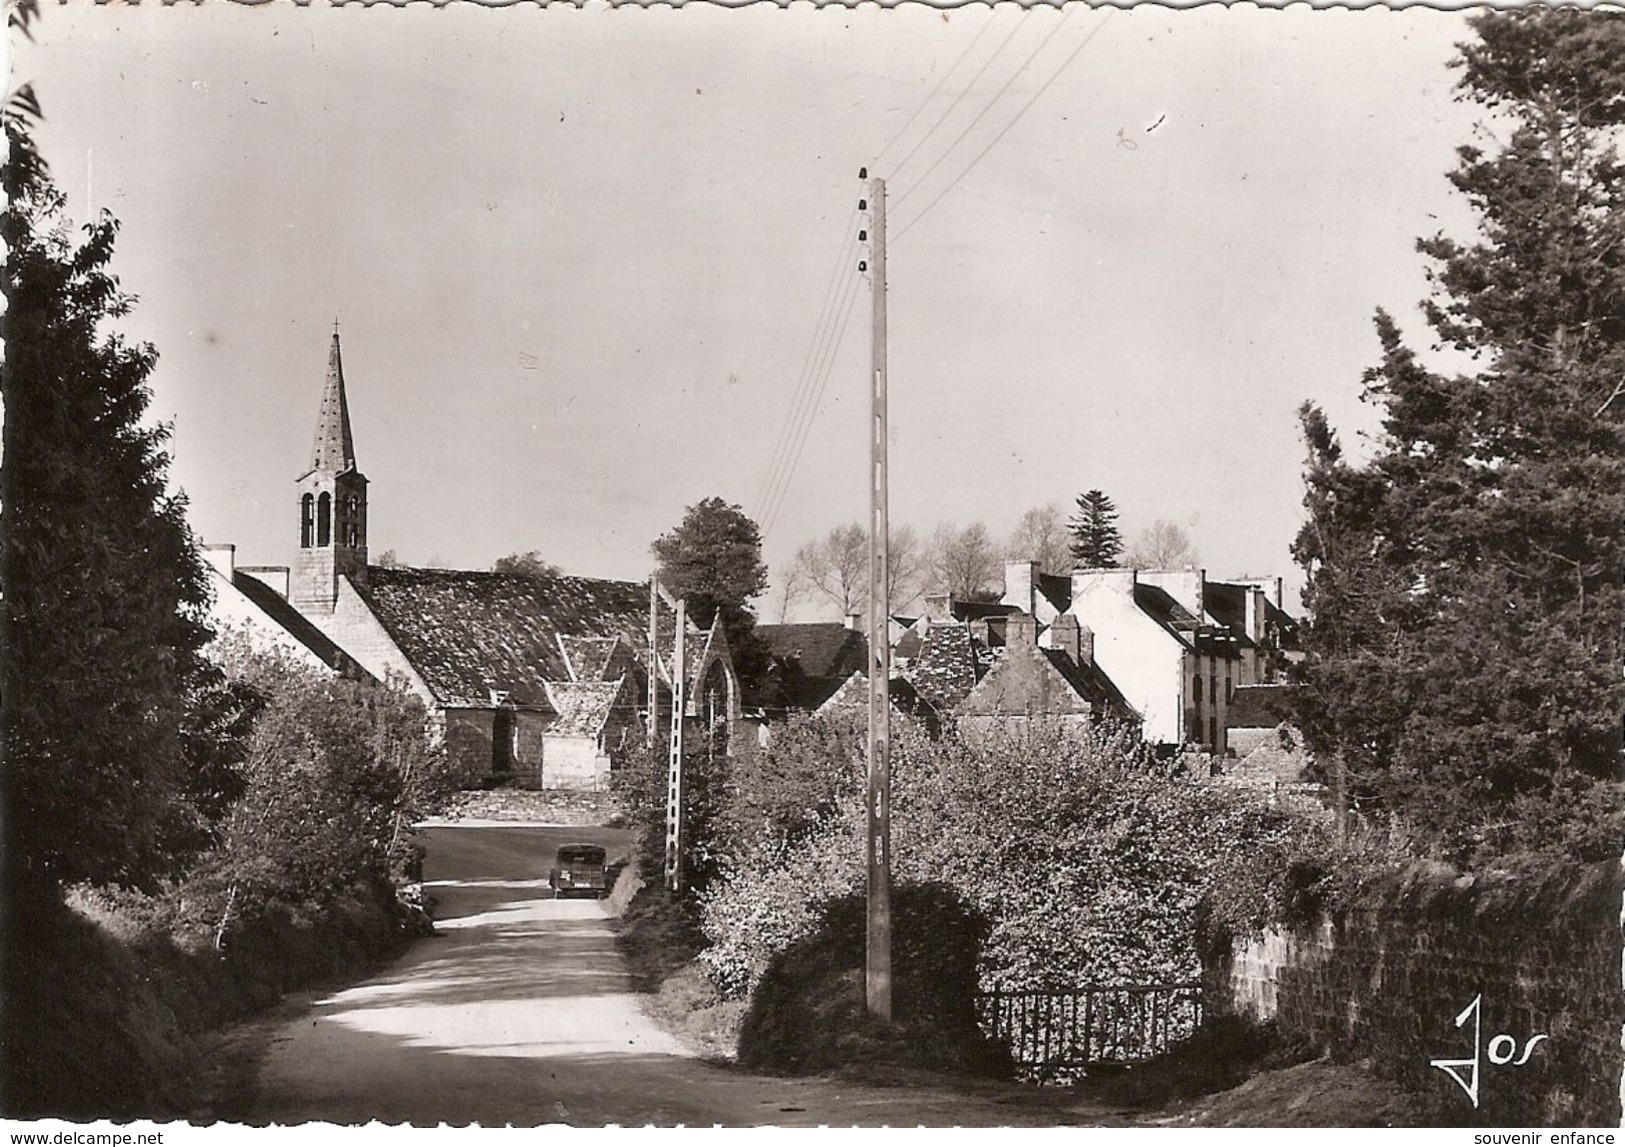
(963,92)
(1014,76)
(843,261)
(953,67)
(806,405)
(1095,31)
(784,489)
(818,380)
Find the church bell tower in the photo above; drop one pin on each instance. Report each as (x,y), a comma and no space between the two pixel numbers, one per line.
(332,496)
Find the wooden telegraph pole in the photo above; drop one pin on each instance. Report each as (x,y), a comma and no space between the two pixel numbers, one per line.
(877,981)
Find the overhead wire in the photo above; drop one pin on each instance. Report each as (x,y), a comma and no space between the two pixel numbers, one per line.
(805,408)
(817,381)
(829,366)
(963,92)
(1014,76)
(843,261)
(953,67)
(1084,43)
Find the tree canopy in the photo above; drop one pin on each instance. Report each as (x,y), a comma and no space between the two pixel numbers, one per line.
(713,559)
(1096,544)
(1464,584)
(530,562)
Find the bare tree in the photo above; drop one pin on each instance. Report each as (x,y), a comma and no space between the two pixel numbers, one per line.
(1162,546)
(905,569)
(964,561)
(835,568)
(1042,536)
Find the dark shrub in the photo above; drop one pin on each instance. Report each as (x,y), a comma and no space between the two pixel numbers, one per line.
(807,1013)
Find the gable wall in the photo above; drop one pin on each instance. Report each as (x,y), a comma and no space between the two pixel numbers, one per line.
(353,628)
(1144,660)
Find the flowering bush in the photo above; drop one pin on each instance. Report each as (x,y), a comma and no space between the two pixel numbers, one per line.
(1088,858)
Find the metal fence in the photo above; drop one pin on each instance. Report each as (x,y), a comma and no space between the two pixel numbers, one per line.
(1084,1027)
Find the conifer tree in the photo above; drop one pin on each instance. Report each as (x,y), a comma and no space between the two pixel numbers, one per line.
(112,759)
(1096,544)
(1464,585)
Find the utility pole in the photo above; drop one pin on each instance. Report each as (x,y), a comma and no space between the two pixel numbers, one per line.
(877,981)
(674,772)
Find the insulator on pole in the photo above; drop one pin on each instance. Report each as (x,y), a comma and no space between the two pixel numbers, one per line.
(863,265)
(863,173)
(863,236)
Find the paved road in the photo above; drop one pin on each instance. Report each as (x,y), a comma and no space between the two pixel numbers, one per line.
(522,1013)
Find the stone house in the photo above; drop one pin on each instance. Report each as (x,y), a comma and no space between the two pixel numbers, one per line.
(996,668)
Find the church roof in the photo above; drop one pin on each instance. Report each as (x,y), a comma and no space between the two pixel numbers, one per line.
(470,632)
(334,449)
(583,708)
(276,607)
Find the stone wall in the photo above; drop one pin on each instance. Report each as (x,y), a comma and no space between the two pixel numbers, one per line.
(1387,978)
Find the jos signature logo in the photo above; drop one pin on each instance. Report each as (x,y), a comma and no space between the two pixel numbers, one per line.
(1500,1051)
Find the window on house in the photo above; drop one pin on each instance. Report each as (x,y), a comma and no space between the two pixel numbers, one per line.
(1213,691)
(307,521)
(324,520)
(1196,691)
(1213,733)
(1229,691)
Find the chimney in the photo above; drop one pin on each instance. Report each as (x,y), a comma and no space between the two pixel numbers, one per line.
(854,621)
(1021,584)
(1063,635)
(223,557)
(939,606)
(1021,631)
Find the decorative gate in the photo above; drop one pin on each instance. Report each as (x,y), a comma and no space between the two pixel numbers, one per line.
(1083,1027)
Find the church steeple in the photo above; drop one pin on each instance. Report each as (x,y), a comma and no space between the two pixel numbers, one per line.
(332,503)
(335,448)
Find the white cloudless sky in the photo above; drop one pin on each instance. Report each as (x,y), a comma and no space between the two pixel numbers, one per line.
(580,255)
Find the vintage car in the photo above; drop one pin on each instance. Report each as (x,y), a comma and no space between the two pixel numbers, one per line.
(579,870)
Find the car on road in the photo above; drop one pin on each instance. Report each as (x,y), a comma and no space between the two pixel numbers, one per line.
(579,870)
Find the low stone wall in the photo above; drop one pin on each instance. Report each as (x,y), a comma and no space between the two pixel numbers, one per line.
(1512,982)
(539,806)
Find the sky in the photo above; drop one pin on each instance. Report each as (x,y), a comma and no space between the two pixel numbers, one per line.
(589,263)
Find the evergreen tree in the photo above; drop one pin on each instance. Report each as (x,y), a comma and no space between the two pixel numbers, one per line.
(1464,586)
(1096,544)
(115,728)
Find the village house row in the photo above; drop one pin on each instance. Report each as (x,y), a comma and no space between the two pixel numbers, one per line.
(547,681)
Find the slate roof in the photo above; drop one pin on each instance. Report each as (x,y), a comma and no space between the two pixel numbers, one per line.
(1090,682)
(948,666)
(582,707)
(470,632)
(823,648)
(276,607)
(1158,604)
(588,657)
(1057,588)
(854,694)
(334,447)
(1227,605)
